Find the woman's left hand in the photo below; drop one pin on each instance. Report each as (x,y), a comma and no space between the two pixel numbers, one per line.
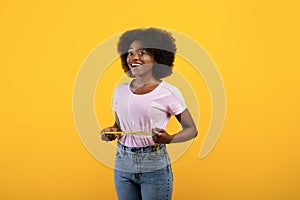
(161,136)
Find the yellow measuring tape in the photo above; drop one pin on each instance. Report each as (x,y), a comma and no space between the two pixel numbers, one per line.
(132,133)
(135,133)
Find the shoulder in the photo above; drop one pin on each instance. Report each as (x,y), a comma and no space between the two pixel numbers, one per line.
(170,87)
(121,89)
(122,86)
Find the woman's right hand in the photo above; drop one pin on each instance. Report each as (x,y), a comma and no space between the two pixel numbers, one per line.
(109,137)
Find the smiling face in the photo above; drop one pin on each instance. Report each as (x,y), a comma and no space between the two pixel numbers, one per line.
(139,60)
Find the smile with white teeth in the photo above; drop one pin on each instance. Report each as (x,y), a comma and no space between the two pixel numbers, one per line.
(135,64)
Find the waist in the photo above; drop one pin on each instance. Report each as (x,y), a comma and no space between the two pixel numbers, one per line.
(151,148)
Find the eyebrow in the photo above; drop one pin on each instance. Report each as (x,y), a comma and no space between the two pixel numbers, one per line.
(132,49)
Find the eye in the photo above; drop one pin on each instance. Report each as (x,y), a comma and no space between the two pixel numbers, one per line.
(130,53)
(142,53)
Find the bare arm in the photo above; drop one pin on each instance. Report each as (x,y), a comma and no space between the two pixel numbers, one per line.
(188,131)
(115,127)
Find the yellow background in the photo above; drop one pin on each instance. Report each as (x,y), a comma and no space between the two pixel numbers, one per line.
(255,45)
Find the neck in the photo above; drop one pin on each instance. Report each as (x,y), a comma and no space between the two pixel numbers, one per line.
(143,80)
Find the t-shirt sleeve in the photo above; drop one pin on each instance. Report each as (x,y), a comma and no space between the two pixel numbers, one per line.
(176,103)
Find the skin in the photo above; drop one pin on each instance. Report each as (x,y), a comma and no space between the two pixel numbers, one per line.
(143,83)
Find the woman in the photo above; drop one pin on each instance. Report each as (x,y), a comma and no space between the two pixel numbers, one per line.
(143,108)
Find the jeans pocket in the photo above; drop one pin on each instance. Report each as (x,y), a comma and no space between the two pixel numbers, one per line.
(156,156)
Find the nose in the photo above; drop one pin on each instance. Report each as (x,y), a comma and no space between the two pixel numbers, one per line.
(136,56)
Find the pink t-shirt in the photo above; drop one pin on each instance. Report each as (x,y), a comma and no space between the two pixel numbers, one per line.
(142,112)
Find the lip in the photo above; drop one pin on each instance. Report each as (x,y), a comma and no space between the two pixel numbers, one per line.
(135,64)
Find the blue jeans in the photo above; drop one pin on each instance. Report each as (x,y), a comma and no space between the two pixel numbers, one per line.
(143,173)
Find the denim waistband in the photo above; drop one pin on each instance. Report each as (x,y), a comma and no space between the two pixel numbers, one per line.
(151,148)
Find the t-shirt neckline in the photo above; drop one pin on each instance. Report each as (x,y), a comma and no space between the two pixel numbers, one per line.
(152,91)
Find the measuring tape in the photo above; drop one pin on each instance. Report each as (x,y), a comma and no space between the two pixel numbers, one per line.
(135,133)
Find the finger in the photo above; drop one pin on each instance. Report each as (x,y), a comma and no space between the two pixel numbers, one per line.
(104,130)
(154,138)
(154,131)
(158,129)
(114,129)
(104,137)
(118,136)
(110,136)
(159,134)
